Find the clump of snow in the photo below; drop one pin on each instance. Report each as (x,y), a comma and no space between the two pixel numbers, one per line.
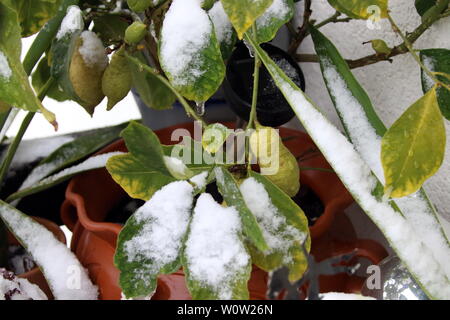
(429,63)
(200,180)
(72,22)
(14,288)
(184,36)
(165,219)
(176,167)
(214,252)
(66,277)
(343,296)
(416,208)
(5,69)
(279,236)
(278,10)
(92,50)
(359,180)
(222,25)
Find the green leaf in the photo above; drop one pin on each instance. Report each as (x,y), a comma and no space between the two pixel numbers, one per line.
(423,6)
(437,60)
(92,163)
(225,33)
(34,14)
(361,183)
(243,13)
(40,77)
(430,8)
(358,9)
(278,14)
(110,28)
(72,152)
(151,241)
(229,189)
(413,148)
(143,171)
(15,89)
(53,257)
(214,136)
(284,225)
(215,260)
(151,90)
(192,61)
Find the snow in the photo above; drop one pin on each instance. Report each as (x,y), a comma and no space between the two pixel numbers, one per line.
(5,69)
(66,277)
(184,36)
(72,22)
(343,296)
(367,142)
(200,180)
(214,252)
(176,167)
(278,9)
(14,288)
(27,153)
(165,219)
(278,235)
(93,51)
(359,180)
(429,63)
(222,24)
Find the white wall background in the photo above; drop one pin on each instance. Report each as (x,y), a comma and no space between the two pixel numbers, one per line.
(392,87)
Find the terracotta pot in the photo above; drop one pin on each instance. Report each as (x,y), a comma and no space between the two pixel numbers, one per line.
(92,195)
(35,275)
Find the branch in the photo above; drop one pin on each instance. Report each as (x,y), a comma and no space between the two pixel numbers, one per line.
(301,34)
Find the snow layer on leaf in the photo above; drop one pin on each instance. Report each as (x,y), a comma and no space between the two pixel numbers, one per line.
(73,21)
(176,167)
(367,142)
(222,24)
(186,31)
(165,219)
(214,252)
(92,50)
(66,277)
(5,69)
(359,180)
(14,288)
(278,234)
(278,9)
(200,180)
(429,63)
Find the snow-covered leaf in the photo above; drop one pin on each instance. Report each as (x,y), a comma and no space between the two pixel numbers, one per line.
(95,162)
(358,9)
(215,260)
(365,129)
(361,183)
(15,89)
(413,149)
(151,90)
(437,60)
(189,51)
(279,13)
(66,277)
(283,223)
(143,170)
(33,15)
(243,13)
(152,238)
(232,196)
(72,152)
(15,288)
(225,33)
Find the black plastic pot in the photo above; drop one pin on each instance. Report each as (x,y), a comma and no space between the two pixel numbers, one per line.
(272,108)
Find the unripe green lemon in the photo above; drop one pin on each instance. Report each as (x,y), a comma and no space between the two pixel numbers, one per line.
(277,163)
(87,66)
(139,5)
(135,32)
(117,79)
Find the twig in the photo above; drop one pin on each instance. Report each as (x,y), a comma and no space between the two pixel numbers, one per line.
(302,30)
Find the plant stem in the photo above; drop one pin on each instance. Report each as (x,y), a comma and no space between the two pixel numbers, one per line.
(302,30)
(252,117)
(18,138)
(410,48)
